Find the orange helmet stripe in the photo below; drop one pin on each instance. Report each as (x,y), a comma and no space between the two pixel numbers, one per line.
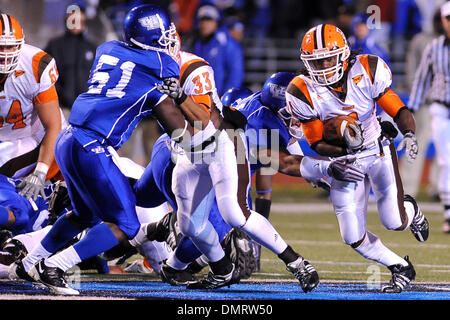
(16,28)
(10,26)
(5,25)
(319,36)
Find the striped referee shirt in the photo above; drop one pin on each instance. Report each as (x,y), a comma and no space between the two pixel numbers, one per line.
(433,73)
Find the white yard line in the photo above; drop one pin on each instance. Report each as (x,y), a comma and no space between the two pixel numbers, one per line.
(337,243)
(355,264)
(320,207)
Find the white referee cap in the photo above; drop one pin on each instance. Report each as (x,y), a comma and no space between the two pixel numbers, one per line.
(445,9)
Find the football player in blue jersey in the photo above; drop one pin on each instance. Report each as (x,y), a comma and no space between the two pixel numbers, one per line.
(21,215)
(122,88)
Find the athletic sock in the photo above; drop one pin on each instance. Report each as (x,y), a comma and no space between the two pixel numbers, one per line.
(175,263)
(262,206)
(97,240)
(59,234)
(372,248)
(222,266)
(288,255)
(64,260)
(38,253)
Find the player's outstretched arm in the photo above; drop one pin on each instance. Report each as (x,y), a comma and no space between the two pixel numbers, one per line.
(313,169)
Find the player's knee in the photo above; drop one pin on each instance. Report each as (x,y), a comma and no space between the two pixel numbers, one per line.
(356,244)
(188,228)
(353,240)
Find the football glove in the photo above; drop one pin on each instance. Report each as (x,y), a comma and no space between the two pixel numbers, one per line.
(354,142)
(409,143)
(33,185)
(344,169)
(171,87)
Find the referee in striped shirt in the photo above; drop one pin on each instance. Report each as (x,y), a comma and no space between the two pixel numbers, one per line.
(432,80)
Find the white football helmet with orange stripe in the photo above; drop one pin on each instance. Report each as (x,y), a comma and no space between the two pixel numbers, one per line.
(325,53)
(11,43)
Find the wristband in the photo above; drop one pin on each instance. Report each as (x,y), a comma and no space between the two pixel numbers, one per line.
(262,206)
(41,167)
(181,99)
(313,169)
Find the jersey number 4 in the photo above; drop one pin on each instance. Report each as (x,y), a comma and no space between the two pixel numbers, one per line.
(15,116)
(101,78)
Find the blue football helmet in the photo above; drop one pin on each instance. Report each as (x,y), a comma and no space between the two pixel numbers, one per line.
(148,27)
(273,90)
(233,94)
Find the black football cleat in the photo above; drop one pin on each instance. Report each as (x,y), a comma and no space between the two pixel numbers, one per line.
(401,277)
(17,272)
(215,281)
(305,273)
(16,248)
(176,277)
(419,226)
(53,278)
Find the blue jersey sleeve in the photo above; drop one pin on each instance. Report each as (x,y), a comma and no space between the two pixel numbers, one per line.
(268,130)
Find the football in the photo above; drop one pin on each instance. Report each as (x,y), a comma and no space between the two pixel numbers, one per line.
(333,129)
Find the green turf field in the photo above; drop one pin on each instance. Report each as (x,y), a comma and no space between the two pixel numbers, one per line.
(316,236)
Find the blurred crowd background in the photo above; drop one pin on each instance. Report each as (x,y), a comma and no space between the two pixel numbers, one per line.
(269,31)
(244,40)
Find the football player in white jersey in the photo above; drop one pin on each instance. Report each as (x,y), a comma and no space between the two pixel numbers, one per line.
(339,82)
(30,117)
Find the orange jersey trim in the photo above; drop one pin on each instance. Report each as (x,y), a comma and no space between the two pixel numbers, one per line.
(35,64)
(46,96)
(205,101)
(301,85)
(39,63)
(187,64)
(313,131)
(369,63)
(391,103)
